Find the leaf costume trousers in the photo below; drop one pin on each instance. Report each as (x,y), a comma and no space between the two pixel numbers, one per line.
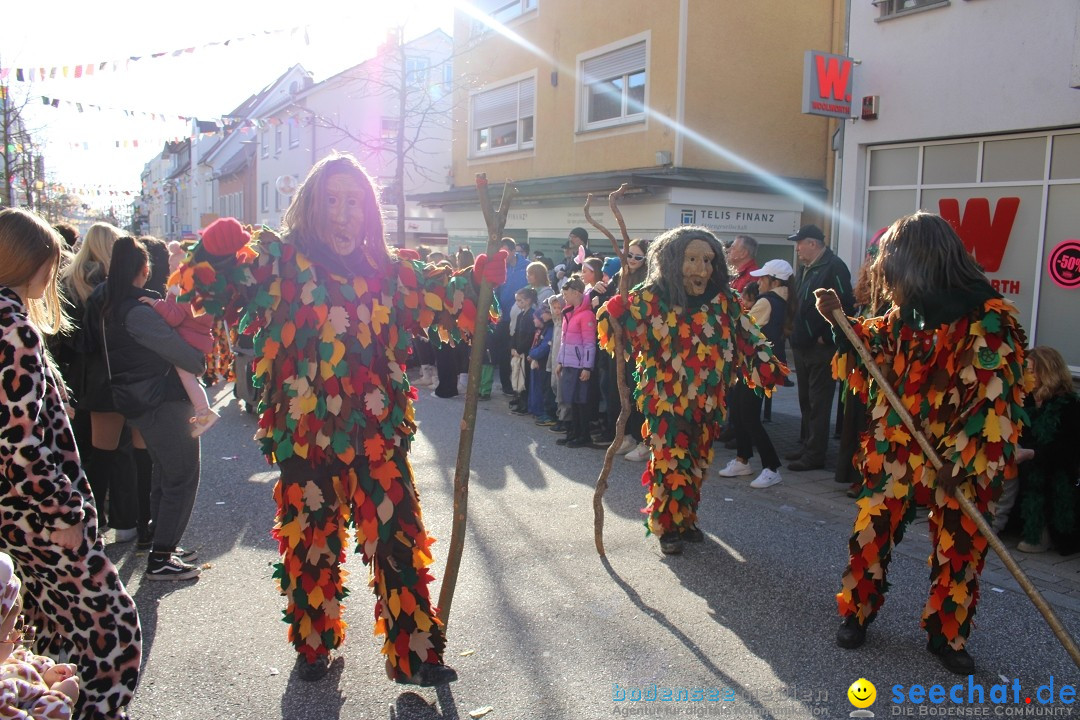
(373,496)
(681,453)
(956,560)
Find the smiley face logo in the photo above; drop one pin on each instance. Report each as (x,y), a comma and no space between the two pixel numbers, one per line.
(862,693)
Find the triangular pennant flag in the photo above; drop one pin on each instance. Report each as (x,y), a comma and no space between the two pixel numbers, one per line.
(19,74)
(78,71)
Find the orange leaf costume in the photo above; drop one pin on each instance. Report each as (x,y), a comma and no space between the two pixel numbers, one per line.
(336,414)
(959,370)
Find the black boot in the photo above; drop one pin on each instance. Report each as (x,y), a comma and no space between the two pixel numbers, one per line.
(851,634)
(99,471)
(671,543)
(571,430)
(955,661)
(582,436)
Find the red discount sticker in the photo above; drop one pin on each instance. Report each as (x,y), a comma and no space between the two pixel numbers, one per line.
(1064,265)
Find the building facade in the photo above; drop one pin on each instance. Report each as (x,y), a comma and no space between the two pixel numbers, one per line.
(393,107)
(978,120)
(695,104)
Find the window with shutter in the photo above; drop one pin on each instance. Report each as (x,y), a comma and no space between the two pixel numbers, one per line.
(613,87)
(501,119)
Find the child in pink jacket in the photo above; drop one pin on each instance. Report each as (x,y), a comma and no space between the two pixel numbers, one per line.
(197,330)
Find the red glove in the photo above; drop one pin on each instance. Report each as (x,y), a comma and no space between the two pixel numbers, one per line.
(408,254)
(616,306)
(494,272)
(224,237)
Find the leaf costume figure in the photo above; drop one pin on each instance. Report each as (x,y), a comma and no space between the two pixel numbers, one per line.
(954,351)
(333,311)
(691,342)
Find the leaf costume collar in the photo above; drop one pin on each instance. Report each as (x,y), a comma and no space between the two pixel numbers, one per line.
(942,307)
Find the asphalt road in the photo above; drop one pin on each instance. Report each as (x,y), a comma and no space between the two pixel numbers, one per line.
(541,627)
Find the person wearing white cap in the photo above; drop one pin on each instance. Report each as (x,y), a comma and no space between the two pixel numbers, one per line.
(773,312)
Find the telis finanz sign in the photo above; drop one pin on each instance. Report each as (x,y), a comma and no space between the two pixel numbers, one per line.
(827,84)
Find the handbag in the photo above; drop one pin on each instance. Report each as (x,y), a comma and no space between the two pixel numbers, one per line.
(136,397)
(517,373)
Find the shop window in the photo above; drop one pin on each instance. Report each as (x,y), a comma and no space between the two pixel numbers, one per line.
(1065,157)
(954,163)
(894,166)
(1012,160)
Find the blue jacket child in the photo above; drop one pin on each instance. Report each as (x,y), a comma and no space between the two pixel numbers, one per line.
(540,377)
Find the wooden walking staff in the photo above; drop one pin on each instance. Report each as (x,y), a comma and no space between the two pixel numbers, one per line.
(496,222)
(620,361)
(842,322)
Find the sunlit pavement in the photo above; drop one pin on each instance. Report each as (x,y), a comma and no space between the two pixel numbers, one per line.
(541,627)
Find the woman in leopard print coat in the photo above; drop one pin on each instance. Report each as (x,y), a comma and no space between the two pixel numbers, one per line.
(48,524)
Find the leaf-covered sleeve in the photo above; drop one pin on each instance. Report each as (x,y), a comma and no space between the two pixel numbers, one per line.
(435,298)
(756,365)
(633,311)
(848,367)
(226,285)
(986,395)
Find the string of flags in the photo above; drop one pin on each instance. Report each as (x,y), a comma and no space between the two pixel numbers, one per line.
(55,72)
(82,107)
(204,126)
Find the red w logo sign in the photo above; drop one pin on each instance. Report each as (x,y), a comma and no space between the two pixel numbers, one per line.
(984,236)
(833,73)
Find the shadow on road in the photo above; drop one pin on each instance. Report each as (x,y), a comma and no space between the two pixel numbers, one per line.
(321,700)
(676,632)
(410,706)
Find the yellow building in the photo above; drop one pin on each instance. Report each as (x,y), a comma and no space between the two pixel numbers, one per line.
(694,103)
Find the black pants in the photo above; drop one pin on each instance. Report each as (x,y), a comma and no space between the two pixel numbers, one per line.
(813,368)
(749,432)
(446,368)
(579,423)
(854,424)
(500,353)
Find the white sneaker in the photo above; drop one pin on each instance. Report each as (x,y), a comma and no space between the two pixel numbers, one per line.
(628,444)
(124,536)
(767,478)
(735,468)
(639,454)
